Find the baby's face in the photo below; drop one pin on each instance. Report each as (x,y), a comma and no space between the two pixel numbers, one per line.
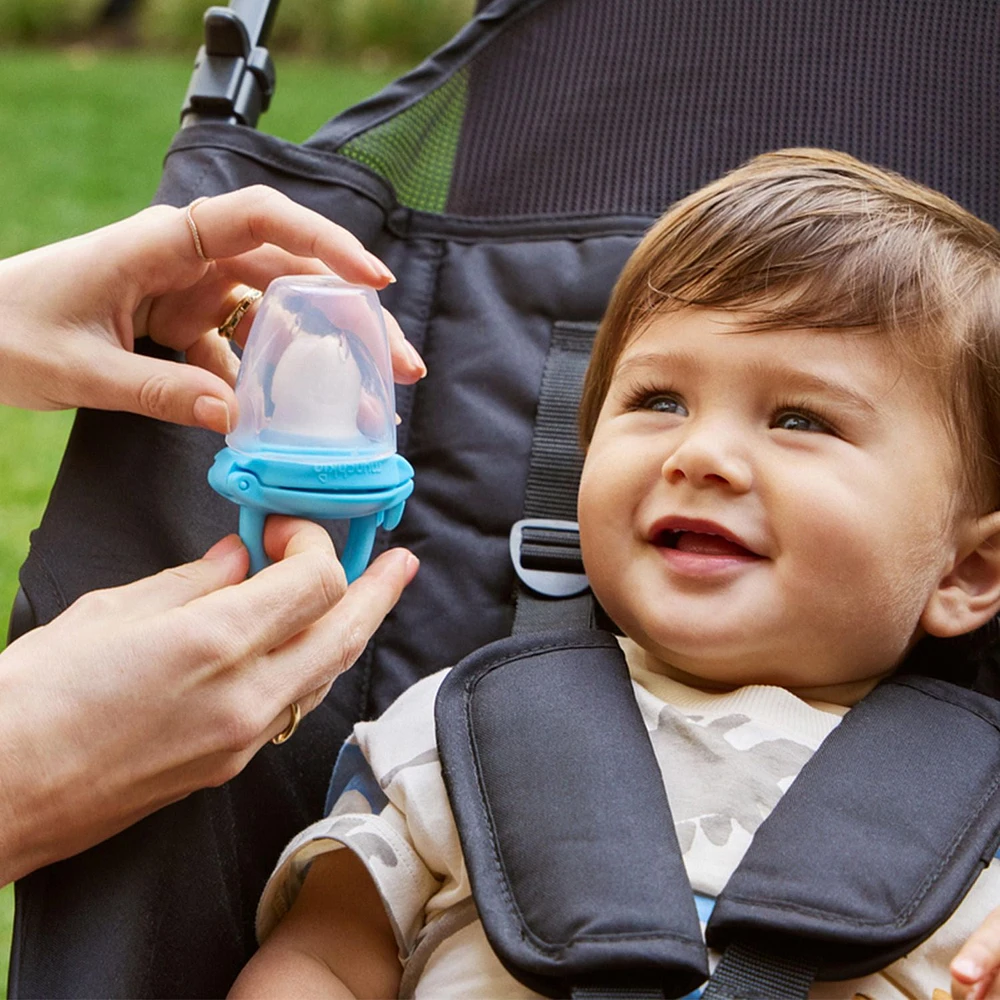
(770,507)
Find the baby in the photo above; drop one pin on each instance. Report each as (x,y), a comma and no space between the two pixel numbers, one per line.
(792,476)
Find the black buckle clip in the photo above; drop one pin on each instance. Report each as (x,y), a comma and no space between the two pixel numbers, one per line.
(546,556)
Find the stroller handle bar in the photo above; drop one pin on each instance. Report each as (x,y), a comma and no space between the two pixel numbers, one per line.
(233,78)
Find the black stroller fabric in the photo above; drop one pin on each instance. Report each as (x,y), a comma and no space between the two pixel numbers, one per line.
(504,181)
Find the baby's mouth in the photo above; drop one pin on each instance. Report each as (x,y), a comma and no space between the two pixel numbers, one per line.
(702,543)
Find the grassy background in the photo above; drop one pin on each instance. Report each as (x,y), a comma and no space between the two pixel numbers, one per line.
(84,135)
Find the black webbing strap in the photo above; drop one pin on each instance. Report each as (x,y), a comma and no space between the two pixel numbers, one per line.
(747,974)
(535,613)
(556,457)
(550,493)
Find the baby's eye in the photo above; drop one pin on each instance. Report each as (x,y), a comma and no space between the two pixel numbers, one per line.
(800,420)
(662,403)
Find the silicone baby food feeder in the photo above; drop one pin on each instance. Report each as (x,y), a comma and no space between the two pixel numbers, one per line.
(317,430)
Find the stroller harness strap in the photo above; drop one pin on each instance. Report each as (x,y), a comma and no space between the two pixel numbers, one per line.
(559,803)
(551,589)
(746,973)
(559,909)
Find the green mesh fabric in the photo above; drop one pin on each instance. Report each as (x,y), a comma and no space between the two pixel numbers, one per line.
(415,150)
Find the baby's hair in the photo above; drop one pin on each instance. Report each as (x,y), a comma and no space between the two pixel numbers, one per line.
(815,239)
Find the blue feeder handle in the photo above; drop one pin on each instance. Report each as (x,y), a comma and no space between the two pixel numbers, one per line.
(369,494)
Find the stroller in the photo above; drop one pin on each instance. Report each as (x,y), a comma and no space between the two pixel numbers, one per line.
(504,181)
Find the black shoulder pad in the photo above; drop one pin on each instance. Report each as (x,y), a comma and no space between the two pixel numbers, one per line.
(564,822)
(880,836)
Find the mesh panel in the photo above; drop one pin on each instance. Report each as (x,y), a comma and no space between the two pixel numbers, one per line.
(600,106)
(415,150)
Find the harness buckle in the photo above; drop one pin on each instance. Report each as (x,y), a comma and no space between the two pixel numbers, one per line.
(546,556)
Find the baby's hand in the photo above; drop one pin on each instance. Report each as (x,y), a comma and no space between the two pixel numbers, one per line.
(974,970)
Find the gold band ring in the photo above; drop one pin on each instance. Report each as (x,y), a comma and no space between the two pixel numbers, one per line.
(195,235)
(289,731)
(228,327)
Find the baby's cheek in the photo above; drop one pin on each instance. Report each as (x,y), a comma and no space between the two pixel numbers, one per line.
(592,507)
(601,544)
(873,599)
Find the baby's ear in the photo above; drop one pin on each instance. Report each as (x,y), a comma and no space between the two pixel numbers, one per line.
(968,595)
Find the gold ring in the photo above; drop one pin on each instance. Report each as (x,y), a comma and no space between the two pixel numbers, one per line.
(228,327)
(195,235)
(289,731)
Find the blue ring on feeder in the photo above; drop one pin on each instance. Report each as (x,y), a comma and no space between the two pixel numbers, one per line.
(367,492)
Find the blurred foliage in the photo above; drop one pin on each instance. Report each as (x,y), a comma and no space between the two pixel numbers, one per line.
(366,31)
(46,20)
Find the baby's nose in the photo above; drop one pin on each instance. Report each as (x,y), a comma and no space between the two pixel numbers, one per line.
(709,457)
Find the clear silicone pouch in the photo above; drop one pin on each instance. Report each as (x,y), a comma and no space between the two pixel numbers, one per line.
(316,436)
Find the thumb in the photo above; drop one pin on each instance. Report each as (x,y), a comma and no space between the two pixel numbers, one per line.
(164,390)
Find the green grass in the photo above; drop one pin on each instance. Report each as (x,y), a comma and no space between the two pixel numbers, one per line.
(30,447)
(83,138)
(84,132)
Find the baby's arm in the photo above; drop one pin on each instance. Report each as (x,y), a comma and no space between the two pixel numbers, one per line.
(974,970)
(336,940)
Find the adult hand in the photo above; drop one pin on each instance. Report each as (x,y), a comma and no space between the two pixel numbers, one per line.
(975,970)
(71,312)
(138,695)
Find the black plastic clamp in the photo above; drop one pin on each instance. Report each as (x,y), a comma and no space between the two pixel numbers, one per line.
(233,79)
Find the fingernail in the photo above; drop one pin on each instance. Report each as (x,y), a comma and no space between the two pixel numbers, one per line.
(381,268)
(415,359)
(212,413)
(404,560)
(224,547)
(967,969)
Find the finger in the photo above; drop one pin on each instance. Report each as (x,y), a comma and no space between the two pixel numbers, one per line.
(261,266)
(314,698)
(178,319)
(985,989)
(306,704)
(224,564)
(407,365)
(288,536)
(975,967)
(232,224)
(324,651)
(163,390)
(153,251)
(214,354)
(280,601)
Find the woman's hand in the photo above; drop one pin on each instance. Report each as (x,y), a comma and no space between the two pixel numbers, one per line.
(974,970)
(71,312)
(138,695)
